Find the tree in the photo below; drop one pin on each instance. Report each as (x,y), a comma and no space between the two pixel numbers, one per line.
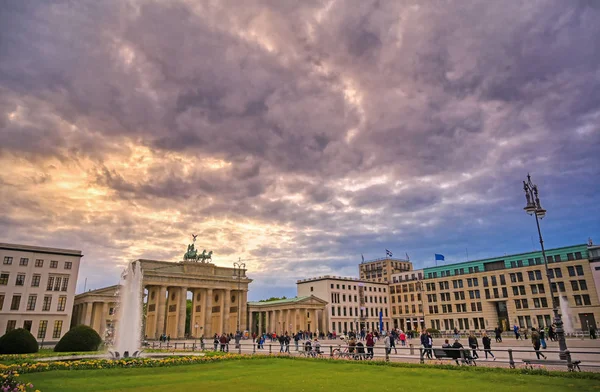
(273,299)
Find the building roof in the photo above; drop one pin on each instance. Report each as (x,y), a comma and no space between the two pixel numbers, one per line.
(384,259)
(41,249)
(507,259)
(340,278)
(284,301)
(109,290)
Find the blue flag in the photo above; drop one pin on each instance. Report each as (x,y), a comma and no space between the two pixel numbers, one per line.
(439,257)
(380,321)
(388,253)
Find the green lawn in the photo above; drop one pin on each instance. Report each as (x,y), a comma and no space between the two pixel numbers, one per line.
(274,374)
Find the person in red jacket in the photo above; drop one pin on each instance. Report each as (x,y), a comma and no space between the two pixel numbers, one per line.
(370,344)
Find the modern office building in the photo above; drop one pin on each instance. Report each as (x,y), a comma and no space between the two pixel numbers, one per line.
(352,304)
(381,270)
(37,288)
(504,291)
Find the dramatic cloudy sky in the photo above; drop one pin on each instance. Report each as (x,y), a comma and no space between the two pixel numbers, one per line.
(296,135)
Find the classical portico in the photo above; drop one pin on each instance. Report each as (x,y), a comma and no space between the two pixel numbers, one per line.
(96,308)
(287,315)
(219,295)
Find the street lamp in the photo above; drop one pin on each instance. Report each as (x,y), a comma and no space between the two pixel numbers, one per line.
(238,267)
(195,334)
(534,207)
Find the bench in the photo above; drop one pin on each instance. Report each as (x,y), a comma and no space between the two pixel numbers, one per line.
(560,362)
(455,355)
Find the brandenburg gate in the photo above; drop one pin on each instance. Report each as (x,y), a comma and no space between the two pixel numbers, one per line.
(217,295)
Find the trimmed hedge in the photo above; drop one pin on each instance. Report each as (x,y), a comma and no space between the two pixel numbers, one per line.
(79,338)
(18,341)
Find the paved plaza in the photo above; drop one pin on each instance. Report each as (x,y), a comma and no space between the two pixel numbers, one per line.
(587,351)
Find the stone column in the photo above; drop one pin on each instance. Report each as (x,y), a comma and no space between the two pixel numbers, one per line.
(181,307)
(208,331)
(243,302)
(268,322)
(260,331)
(316,313)
(161,309)
(88,313)
(103,316)
(226,307)
(297,320)
(193,314)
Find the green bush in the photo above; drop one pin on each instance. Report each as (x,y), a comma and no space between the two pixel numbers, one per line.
(433,331)
(79,338)
(18,341)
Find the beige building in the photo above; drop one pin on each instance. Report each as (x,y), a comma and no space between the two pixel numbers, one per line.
(503,291)
(408,286)
(37,289)
(97,308)
(218,294)
(306,313)
(352,304)
(381,270)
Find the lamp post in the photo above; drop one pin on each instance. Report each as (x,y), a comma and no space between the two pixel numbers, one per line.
(534,207)
(196,333)
(238,267)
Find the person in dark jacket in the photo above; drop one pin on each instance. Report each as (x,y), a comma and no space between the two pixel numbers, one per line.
(535,340)
(223,341)
(474,345)
(487,346)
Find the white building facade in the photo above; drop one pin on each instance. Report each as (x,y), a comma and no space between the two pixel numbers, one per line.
(37,289)
(352,304)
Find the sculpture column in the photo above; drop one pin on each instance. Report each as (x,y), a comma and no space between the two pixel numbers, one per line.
(88,313)
(181,307)
(208,314)
(161,309)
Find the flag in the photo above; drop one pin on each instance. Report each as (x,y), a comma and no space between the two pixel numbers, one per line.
(407,258)
(439,257)
(380,321)
(388,253)
(363,257)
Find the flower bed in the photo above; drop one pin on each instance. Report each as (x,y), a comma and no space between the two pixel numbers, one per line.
(11,384)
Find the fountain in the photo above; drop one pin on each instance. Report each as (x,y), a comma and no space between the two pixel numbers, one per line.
(566,316)
(129,314)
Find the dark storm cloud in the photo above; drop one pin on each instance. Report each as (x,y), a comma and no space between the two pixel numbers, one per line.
(337,128)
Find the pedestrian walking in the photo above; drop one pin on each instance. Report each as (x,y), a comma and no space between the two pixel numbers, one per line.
(542,338)
(473,345)
(535,340)
(402,338)
(370,344)
(386,342)
(487,346)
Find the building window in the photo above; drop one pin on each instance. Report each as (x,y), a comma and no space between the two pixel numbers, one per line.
(35,281)
(571,270)
(50,283)
(47,303)
(574,285)
(65,284)
(24,261)
(62,301)
(31,302)
(578,300)
(1,301)
(4,279)
(20,280)
(57,329)
(16,302)
(53,264)
(579,270)
(12,324)
(7,260)
(68,265)
(311,288)
(578,256)
(586,299)
(57,282)
(42,329)
(39,263)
